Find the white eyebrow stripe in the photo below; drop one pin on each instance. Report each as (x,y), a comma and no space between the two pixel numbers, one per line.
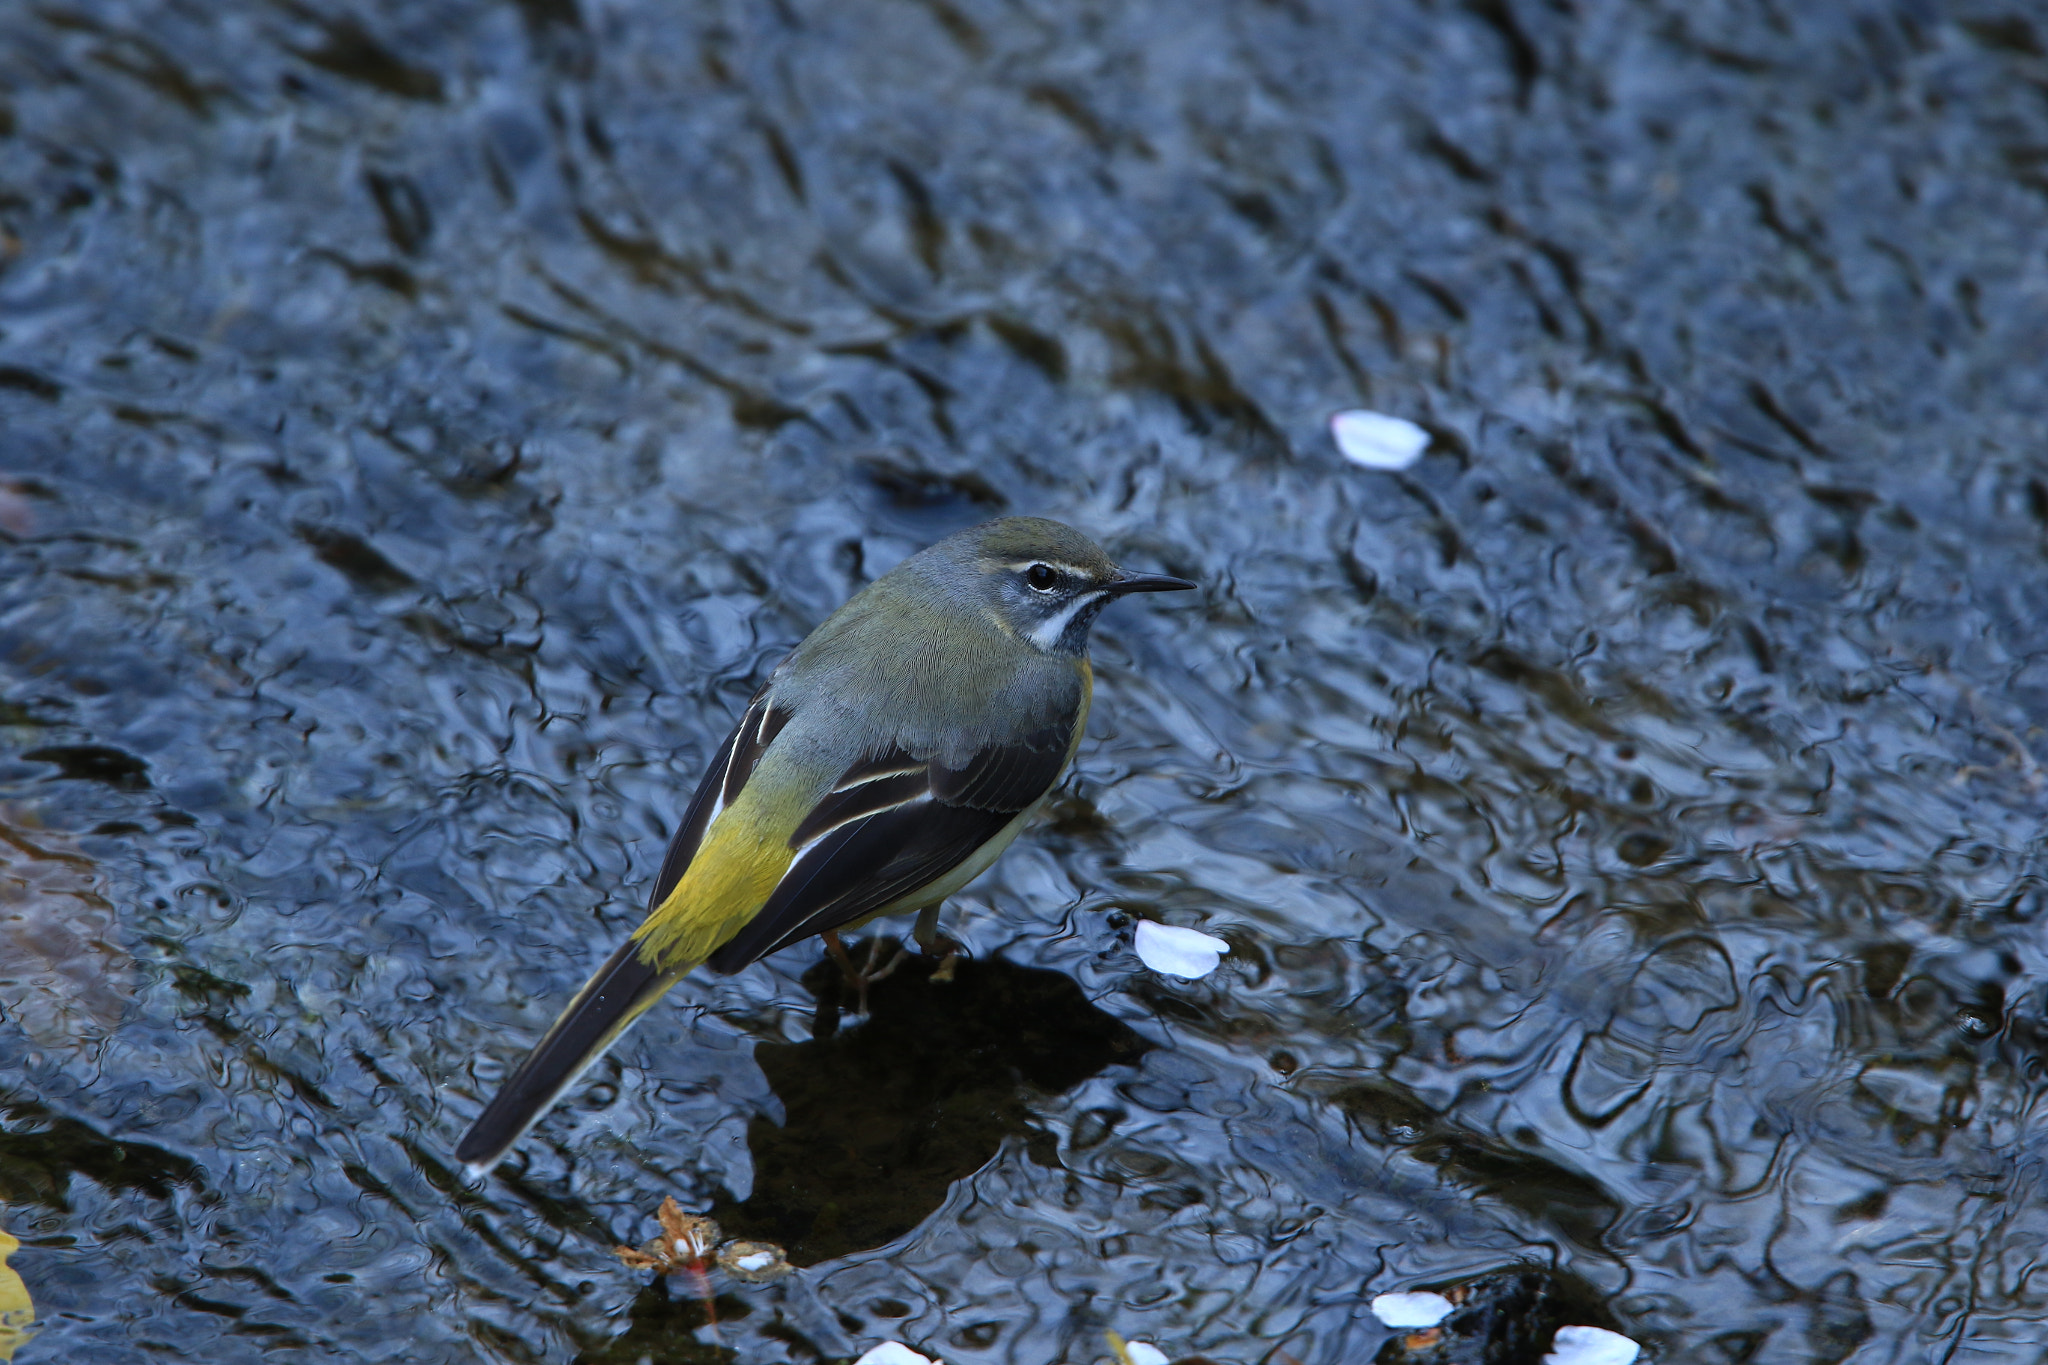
(1047,635)
(1059,564)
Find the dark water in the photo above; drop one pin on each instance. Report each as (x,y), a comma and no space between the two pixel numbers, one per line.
(422,424)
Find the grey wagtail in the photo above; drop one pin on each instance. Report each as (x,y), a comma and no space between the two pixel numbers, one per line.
(884,765)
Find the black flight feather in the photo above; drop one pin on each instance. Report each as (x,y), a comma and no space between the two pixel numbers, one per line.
(617,995)
(719,787)
(891,825)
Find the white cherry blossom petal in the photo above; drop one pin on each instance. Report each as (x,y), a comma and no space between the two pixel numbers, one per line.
(1418,1309)
(1186,953)
(1377,441)
(893,1353)
(1591,1346)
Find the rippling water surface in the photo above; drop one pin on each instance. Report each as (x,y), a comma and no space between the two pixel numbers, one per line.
(425,423)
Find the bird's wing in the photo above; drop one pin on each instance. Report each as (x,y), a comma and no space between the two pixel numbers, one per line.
(719,788)
(891,824)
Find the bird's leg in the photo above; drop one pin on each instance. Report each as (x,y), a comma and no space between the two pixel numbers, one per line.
(841,956)
(927,931)
(855,976)
(932,943)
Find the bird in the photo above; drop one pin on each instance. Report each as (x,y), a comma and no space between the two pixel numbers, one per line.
(885,763)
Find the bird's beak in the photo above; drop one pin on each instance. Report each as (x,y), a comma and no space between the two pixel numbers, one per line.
(1126,581)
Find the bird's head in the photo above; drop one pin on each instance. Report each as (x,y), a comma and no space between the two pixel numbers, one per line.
(1041,581)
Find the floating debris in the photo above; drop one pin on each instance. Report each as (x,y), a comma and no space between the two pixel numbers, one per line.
(1509,1317)
(753,1261)
(1591,1346)
(1376,441)
(893,1353)
(1186,953)
(1135,1352)
(1419,1309)
(685,1243)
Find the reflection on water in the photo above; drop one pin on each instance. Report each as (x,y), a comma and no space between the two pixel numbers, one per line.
(425,423)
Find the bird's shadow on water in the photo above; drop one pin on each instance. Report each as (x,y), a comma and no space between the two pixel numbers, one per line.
(882,1117)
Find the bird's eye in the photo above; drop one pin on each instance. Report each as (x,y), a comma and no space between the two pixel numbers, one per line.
(1042,577)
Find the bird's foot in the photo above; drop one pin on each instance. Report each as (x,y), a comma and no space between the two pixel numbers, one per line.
(875,969)
(946,949)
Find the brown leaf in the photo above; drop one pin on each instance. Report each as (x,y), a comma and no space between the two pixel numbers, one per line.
(636,1259)
(691,1237)
(685,1244)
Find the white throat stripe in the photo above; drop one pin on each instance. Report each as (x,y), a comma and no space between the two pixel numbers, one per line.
(1048,633)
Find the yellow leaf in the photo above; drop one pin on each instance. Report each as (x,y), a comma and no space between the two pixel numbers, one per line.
(17,1312)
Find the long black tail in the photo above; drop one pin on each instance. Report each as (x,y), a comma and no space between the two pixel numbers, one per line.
(617,994)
